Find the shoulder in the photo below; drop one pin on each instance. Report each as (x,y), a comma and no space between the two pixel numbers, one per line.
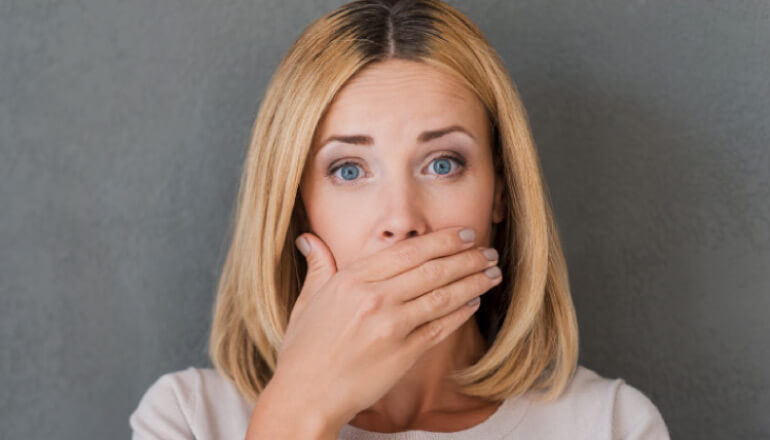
(166,408)
(602,407)
(179,405)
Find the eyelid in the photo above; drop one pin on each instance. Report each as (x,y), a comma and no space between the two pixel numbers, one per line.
(452,155)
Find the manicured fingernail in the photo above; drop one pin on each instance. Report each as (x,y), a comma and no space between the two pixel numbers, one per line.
(490,253)
(474,301)
(467,235)
(493,272)
(303,245)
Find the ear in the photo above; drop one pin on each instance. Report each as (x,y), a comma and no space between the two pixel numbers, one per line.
(498,208)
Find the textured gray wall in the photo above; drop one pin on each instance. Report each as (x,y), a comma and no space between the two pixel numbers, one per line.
(123,126)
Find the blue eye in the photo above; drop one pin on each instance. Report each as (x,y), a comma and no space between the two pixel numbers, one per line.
(441,165)
(348,170)
(444,163)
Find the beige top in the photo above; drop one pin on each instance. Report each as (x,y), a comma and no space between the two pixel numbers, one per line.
(198,403)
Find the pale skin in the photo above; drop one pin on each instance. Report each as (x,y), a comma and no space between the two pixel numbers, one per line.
(397,188)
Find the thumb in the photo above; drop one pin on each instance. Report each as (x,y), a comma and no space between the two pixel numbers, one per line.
(320,262)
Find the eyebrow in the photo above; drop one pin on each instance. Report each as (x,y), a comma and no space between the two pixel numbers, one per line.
(365,140)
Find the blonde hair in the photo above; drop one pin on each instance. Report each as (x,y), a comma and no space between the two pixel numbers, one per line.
(530,325)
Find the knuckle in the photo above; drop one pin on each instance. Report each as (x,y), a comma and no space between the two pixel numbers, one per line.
(431,270)
(439,297)
(372,289)
(371,303)
(433,330)
(386,331)
(408,253)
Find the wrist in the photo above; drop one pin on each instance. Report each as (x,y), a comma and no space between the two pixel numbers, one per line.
(291,415)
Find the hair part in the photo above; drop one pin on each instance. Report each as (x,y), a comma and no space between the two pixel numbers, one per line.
(528,320)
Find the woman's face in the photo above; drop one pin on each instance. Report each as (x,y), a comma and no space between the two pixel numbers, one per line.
(376,175)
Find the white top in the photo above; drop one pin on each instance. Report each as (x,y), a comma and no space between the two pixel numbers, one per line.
(198,403)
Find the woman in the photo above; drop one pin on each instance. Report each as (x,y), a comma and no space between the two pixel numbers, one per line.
(392,150)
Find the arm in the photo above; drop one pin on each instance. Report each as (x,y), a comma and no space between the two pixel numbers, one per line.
(278,416)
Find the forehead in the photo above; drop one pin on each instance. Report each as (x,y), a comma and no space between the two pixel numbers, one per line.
(401,98)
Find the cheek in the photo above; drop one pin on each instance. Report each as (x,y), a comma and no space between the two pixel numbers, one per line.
(469,205)
(339,222)
(470,209)
(329,209)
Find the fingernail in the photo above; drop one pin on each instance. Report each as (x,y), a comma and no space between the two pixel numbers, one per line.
(493,272)
(490,253)
(303,245)
(474,301)
(467,235)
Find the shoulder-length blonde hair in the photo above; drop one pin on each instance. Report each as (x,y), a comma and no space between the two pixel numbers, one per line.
(529,324)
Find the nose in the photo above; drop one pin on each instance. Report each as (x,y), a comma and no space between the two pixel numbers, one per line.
(402,213)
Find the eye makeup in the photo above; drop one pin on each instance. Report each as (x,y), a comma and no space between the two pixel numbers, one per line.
(457,159)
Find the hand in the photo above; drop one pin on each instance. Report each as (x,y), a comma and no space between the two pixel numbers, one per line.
(353,333)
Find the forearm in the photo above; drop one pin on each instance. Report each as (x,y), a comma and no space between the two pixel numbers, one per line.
(278,416)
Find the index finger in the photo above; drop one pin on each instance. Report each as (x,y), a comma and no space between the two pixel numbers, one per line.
(410,253)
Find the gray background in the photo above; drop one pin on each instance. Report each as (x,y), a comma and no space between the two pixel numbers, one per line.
(123,126)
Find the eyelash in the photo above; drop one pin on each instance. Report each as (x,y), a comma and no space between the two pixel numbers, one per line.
(458,159)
